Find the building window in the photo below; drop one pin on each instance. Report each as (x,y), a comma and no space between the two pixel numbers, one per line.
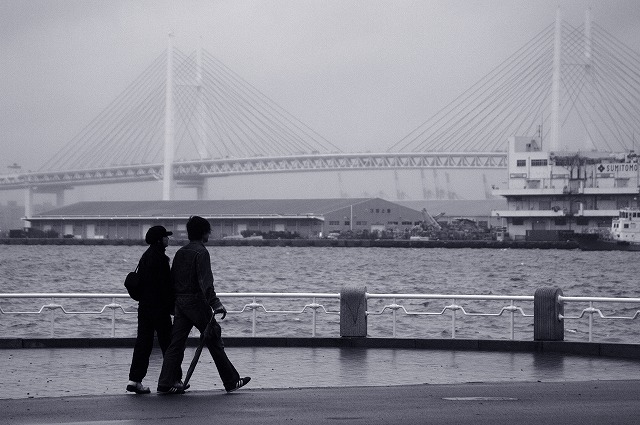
(517,221)
(361,223)
(389,210)
(392,223)
(521,163)
(377,210)
(371,210)
(407,223)
(561,221)
(582,221)
(347,223)
(538,162)
(334,223)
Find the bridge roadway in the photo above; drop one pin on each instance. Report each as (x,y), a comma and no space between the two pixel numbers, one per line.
(319,385)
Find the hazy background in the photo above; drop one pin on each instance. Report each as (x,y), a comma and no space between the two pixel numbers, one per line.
(362,74)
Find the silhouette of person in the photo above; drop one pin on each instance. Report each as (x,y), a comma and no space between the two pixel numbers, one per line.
(154,308)
(196,304)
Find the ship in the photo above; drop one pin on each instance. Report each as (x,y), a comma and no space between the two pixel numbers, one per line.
(624,234)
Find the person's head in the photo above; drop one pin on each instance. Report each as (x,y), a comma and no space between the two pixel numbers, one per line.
(157,235)
(198,228)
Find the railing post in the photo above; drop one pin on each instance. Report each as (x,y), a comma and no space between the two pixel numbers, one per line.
(113,319)
(548,311)
(53,318)
(511,321)
(591,321)
(395,310)
(253,318)
(313,331)
(453,320)
(353,311)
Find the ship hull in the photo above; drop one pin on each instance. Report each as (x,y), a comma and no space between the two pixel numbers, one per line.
(593,242)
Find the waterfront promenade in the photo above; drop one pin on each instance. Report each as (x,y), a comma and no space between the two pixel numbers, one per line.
(316,385)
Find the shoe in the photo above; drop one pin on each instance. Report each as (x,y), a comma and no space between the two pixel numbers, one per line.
(174,389)
(137,387)
(241,383)
(184,387)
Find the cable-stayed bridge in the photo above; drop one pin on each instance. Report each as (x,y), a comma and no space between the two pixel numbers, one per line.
(188,117)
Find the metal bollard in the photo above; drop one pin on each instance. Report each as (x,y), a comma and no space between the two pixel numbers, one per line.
(548,310)
(353,311)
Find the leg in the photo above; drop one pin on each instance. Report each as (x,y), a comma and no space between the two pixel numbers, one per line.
(163,331)
(174,354)
(227,371)
(143,346)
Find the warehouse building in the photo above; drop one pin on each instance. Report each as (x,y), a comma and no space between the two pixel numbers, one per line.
(309,218)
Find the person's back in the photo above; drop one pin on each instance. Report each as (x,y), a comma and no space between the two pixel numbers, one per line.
(192,276)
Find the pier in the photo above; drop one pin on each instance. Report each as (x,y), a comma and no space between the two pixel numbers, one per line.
(351,378)
(315,385)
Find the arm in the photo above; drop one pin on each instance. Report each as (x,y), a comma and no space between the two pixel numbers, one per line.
(205,280)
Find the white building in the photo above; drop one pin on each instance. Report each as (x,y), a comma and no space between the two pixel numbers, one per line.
(558,191)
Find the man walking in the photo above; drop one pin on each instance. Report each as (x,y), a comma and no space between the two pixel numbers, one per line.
(196,304)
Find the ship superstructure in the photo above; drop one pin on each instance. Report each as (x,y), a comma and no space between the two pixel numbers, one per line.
(565,191)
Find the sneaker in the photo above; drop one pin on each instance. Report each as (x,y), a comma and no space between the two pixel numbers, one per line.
(181,384)
(241,383)
(174,389)
(137,387)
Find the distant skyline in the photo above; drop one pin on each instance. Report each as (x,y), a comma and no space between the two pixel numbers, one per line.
(361,74)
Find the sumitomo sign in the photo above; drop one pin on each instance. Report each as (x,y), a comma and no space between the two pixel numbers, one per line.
(626,169)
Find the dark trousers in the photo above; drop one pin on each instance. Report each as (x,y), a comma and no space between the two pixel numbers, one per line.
(150,321)
(190,312)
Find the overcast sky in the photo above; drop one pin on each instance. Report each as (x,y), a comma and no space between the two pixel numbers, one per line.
(361,73)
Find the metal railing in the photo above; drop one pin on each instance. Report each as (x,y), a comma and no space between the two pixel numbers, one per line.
(455,305)
(255,306)
(591,310)
(114,306)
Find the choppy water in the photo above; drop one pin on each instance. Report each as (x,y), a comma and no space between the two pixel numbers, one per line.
(48,268)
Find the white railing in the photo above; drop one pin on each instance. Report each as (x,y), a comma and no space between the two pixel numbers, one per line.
(114,306)
(591,310)
(454,305)
(254,306)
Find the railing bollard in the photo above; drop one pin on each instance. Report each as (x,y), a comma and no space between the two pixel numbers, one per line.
(548,311)
(353,311)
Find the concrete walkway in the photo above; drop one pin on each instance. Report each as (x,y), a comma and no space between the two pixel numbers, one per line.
(320,385)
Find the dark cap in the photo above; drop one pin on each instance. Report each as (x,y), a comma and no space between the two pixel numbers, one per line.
(155,233)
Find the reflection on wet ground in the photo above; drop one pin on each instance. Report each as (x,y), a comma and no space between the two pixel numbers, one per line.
(95,371)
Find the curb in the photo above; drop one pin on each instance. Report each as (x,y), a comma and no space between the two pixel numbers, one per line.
(594,349)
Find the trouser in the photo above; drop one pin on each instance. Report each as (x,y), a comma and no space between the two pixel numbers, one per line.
(193,311)
(150,320)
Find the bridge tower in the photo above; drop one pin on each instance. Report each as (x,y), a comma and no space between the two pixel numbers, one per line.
(167,175)
(555,84)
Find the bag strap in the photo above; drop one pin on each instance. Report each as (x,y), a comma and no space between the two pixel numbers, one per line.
(138,266)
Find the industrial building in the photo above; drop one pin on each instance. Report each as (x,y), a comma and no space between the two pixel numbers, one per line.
(558,192)
(309,218)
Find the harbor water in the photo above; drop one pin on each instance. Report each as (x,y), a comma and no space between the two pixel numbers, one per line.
(511,272)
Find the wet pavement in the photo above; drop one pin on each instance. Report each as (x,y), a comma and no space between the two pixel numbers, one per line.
(324,385)
(62,372)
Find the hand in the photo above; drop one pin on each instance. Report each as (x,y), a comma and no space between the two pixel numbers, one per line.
(220,310)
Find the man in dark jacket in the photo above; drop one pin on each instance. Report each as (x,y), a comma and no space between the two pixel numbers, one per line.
(196,305)
(155,306)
